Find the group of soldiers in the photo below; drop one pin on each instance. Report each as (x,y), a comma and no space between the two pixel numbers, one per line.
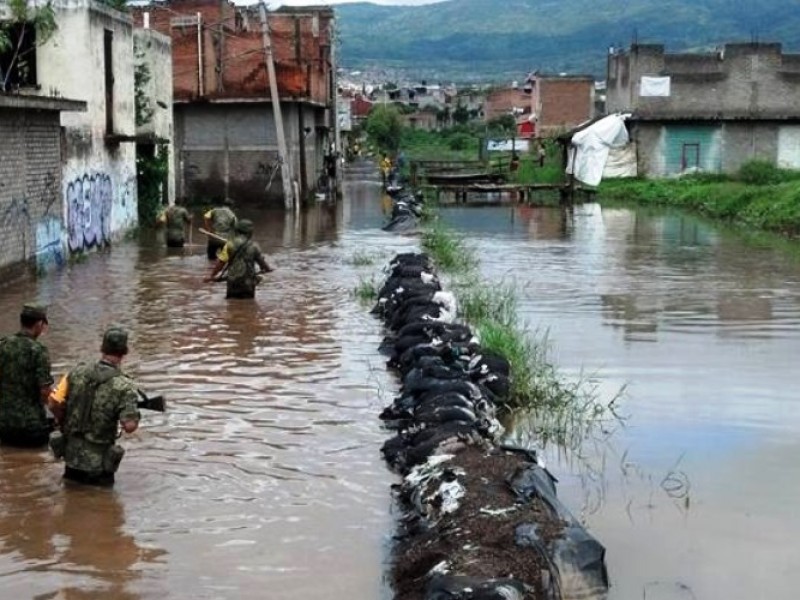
(80,418)
(86,408)
(229,245)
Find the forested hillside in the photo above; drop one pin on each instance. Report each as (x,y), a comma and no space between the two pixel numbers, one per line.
(486,38)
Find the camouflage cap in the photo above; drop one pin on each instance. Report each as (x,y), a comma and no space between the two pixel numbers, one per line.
(229,202)
(34,311)
(115,341)
(244,226)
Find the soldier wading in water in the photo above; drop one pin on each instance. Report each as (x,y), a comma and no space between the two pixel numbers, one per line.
(90,403)
(25,382)
(239,258)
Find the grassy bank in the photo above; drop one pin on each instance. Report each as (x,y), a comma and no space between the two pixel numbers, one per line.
(759,196)
(556,409)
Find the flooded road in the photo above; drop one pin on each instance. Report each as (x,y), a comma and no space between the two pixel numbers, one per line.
(694,495)
(264,478)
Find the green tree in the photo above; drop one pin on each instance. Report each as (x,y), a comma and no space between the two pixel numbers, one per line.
(503,125)
(24,22)
(385,127)
(461,115)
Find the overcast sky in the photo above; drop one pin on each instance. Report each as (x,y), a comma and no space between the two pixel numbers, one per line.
(321,2)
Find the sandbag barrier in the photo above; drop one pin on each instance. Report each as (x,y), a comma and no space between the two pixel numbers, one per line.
(479,519)
(406,209)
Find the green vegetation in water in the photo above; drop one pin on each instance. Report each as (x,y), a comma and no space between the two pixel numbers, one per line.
(759,196)
(360,258)
(559,410)
(447,249)
(366,290)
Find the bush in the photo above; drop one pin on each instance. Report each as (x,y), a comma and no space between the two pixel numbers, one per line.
(759,172)
(459,141)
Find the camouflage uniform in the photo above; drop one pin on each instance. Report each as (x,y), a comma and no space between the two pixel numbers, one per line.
(177,219)
(223,221)
(99,396)
(24,371)
(243,255)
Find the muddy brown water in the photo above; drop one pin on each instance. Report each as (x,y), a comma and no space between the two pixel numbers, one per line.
(264,479)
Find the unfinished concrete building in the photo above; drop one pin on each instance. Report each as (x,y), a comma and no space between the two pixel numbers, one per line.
(239,132)
(711,111)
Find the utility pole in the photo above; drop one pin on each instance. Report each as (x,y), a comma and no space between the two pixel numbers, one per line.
(283,155)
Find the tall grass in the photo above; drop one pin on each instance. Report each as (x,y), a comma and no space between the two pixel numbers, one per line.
(558,410)
(759,196)
(446,248)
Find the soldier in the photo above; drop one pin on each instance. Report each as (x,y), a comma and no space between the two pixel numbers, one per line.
(176,218)
(221,221)
(240,255)
(25,382)
(90,403)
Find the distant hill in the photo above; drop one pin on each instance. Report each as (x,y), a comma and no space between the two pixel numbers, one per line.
(501,39)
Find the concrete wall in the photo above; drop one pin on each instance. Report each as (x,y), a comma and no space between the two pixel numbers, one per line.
(231,149)
(723,146)
(154,50)
(31,221)
(742,80)
(99,177)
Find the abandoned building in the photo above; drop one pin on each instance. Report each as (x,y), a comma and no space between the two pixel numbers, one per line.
(69,110)
(712,111)
(241,132)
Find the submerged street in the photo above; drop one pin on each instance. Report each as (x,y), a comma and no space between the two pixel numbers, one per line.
(264,478)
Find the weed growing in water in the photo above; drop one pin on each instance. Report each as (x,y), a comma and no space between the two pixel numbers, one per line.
(546,406)
(361,259)
(366,290)
(448,250)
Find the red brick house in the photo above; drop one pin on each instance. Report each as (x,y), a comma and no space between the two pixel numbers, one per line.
(560,102)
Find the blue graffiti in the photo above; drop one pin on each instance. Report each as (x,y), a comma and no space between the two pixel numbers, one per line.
(89,202)
(49,245)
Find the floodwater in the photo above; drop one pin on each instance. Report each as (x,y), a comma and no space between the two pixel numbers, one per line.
(264,478)
(694,493)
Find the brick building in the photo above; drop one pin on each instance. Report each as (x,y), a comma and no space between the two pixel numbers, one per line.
(227,138)
(710,111)
(514,101)
(560,102)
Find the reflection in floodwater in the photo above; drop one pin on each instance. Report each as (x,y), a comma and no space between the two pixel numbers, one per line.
(64,543)
(264,477)
(693,491)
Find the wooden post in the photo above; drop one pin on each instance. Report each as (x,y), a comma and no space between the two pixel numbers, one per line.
(283,155)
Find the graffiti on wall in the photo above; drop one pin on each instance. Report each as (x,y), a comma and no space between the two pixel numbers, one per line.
(90,200)
(49,244)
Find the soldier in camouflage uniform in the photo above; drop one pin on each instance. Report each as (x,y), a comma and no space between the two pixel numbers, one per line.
(91,402)
(25,382)
(240,255)
(176,218)
(221,221)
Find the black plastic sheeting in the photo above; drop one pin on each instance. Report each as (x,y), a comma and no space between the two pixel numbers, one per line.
(448,398)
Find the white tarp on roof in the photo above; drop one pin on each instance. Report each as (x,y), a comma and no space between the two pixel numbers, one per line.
(591,146)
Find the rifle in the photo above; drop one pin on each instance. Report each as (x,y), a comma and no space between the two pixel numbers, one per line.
(156,403)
